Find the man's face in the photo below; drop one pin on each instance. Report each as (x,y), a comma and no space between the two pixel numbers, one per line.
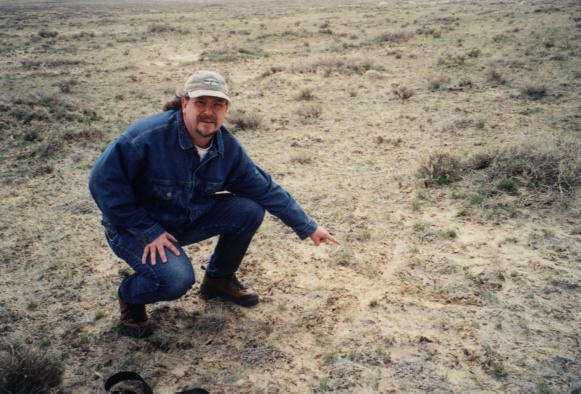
(203,116)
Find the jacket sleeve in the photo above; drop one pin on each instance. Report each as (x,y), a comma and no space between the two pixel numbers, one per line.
(111,185)
(254,183)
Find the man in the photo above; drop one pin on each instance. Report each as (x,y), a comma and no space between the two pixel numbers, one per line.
(160,185)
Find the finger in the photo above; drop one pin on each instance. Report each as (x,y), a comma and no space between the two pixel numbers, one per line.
(162,255)
(153,253)
(144,257)
(332,239)
(171,237)
(316,241)
(173,249)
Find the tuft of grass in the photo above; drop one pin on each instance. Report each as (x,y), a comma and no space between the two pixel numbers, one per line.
(160,28)
(306,94)
(393,37)
(495,77)
(440,169)
(27,369)
(438,83)
(403,92)
(310,111)
(534,92)
(549,168)
(244,120)
(230,54)
(507,185)
(331,357)
(341,65)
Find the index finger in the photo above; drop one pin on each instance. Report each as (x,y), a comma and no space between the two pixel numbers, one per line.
(332,239)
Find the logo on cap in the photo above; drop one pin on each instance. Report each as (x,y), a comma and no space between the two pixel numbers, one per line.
(211,82)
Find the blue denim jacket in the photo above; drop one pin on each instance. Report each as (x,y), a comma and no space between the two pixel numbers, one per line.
(150,179)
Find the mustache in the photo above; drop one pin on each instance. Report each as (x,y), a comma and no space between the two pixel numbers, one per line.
(206,119)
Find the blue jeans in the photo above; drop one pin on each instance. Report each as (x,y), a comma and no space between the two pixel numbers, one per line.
(234,219)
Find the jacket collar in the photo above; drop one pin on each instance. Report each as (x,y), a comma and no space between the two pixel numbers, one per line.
(186,141)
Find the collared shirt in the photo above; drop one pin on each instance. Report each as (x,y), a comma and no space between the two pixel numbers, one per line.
(150,179)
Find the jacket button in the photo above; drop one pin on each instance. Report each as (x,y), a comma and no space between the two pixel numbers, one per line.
(168,194)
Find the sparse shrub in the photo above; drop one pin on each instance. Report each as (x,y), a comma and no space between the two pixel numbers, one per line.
(244,120)
(67,85)
(48,34)
(451,60)
(438,83)
(440,169)
(272,70)
(28,64)
(425,30)
(498,37)
(395,37)
(551,169)
(403,92)
(534,92)
(508,185)
(27,369)
(306,94)
(229,54)
(354,65)
(473,52)
(495,77)
(164,28)
(310,111)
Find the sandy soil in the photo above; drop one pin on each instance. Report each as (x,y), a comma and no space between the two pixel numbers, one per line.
(434,289)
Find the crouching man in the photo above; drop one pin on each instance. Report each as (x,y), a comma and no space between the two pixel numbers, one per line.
(157,187)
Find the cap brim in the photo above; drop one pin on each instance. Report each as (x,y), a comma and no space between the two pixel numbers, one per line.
(213,93)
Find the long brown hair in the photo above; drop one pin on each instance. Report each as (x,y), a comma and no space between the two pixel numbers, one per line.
(176,103)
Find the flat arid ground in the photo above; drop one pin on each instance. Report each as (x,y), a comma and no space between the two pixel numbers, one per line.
(440,141)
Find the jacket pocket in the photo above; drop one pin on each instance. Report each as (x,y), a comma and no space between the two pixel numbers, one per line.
(212,187)
(168,194)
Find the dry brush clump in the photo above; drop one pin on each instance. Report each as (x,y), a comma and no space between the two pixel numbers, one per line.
(230,54)
(26,369)
(393,37)
(341,65)
(165,28)
(310,112)
(35,129)
(29,64)
(440,168)
(548,169)
(244,120)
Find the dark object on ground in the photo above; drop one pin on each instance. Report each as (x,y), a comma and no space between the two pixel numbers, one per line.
(128,382)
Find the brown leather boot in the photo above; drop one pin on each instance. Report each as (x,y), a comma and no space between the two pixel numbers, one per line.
(228,288)
(134,320)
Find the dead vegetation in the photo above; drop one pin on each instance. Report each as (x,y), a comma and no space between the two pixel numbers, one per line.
(551,169)
(28,369)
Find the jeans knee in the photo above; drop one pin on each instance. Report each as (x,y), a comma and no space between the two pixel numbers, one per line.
(254,212)
(177,279)
(178,286)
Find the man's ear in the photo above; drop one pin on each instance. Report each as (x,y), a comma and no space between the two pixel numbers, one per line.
(184,103)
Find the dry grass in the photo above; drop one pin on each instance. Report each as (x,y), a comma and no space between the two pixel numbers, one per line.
(551,168)
(26,369)
(244,120)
